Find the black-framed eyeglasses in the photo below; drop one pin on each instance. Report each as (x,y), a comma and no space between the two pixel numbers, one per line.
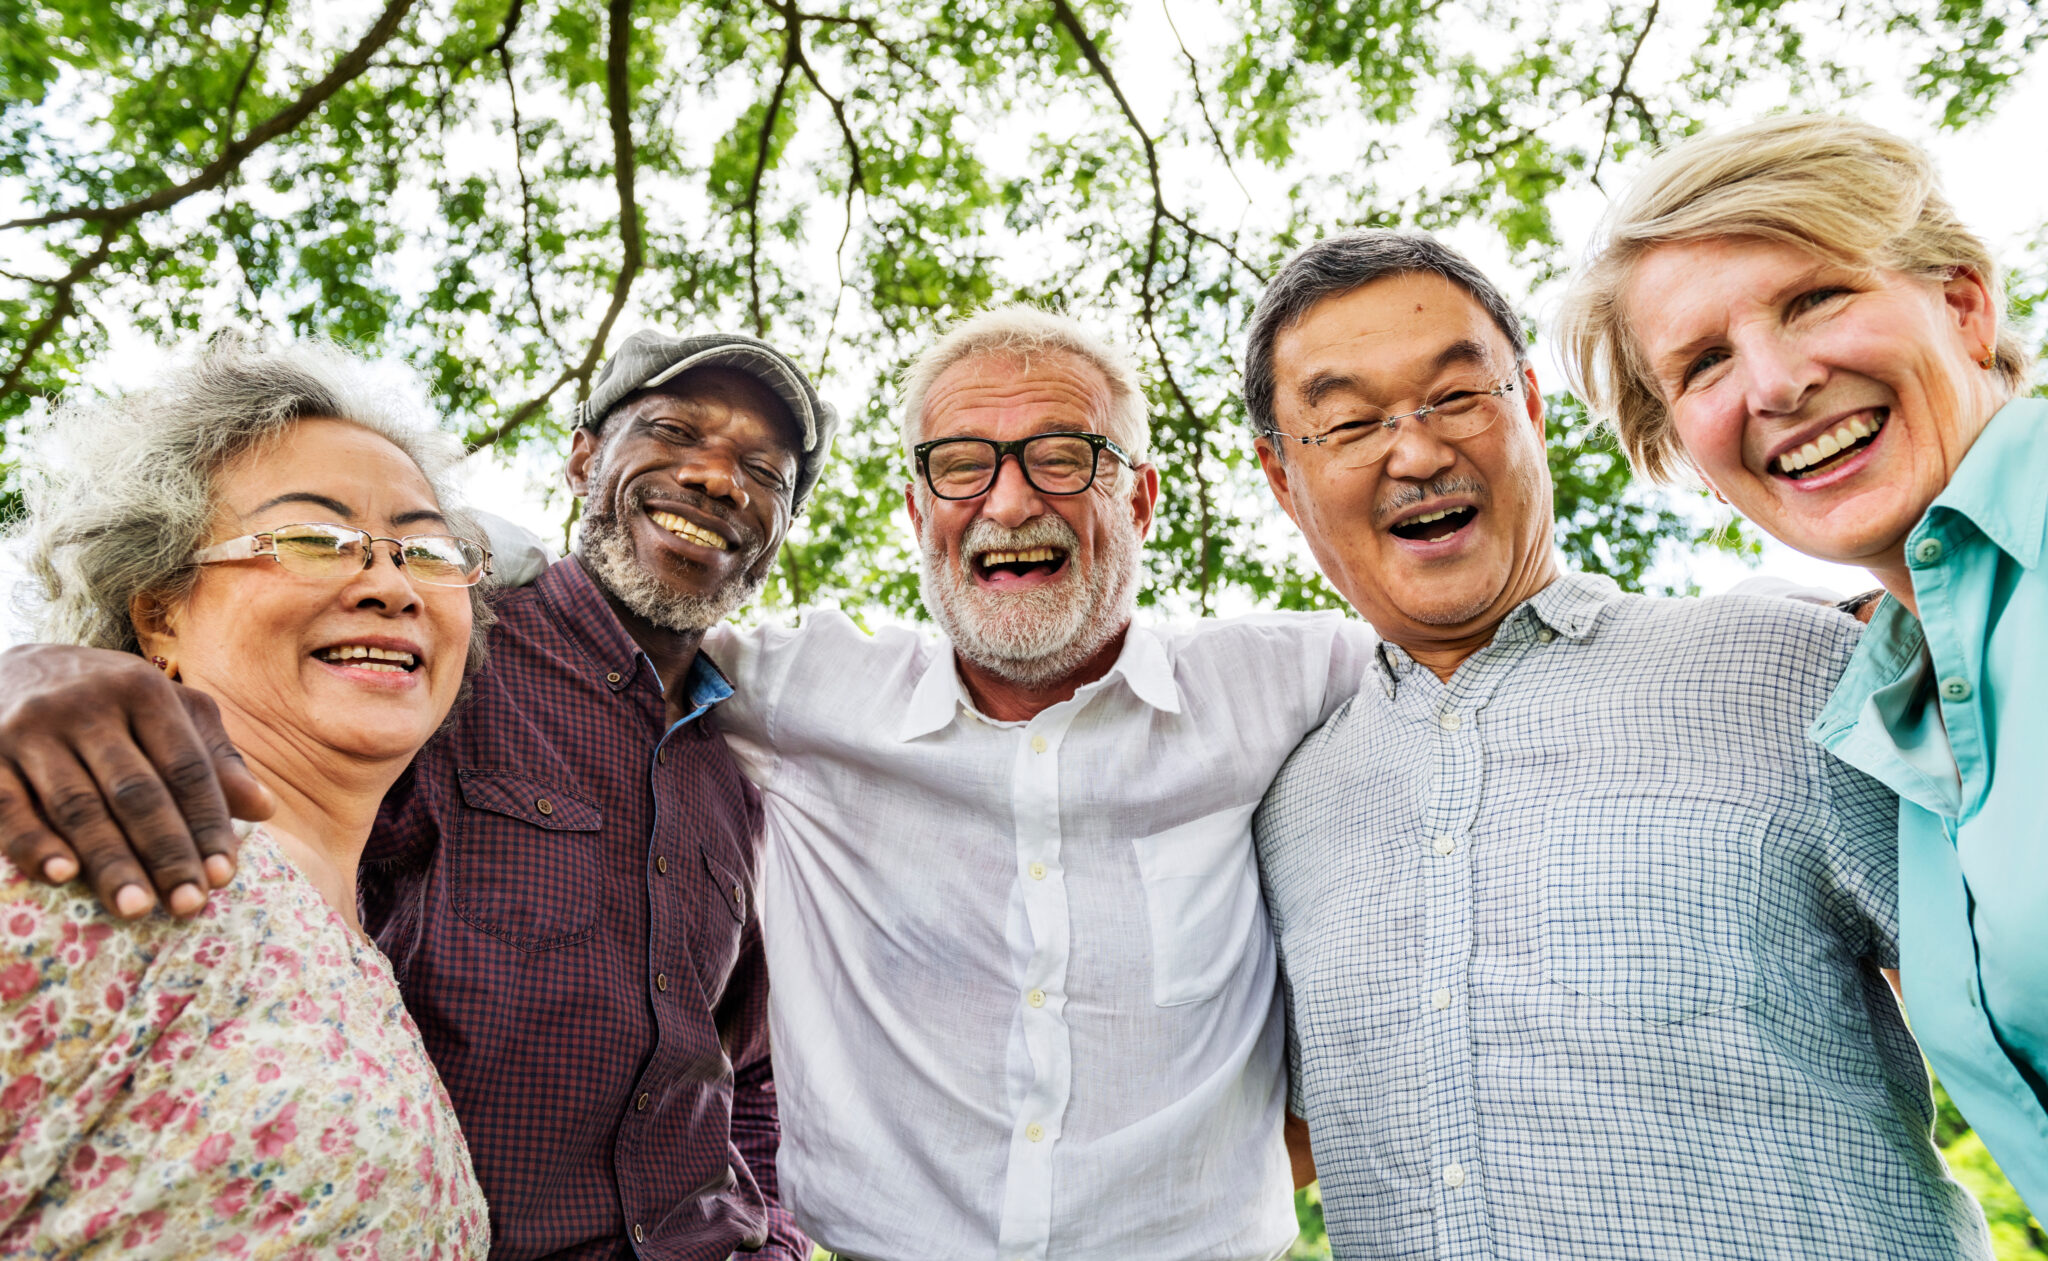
(1053,463)
(1367,437)
(320,549)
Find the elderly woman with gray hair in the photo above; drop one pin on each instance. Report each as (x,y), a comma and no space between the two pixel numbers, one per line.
(1795,312)
(268,528)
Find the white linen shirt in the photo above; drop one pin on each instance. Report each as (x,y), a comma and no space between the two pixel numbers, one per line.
(1023,999)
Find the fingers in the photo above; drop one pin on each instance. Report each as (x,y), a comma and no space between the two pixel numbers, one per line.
(72,802)
(178,814)
(26,837)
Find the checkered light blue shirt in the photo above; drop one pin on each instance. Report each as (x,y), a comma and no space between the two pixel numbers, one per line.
(1581,950)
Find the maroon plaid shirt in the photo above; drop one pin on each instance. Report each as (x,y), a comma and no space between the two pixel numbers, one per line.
(565,889)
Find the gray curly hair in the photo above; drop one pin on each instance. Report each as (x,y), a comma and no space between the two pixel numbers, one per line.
(130,493)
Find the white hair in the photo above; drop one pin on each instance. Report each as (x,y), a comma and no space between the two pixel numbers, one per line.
(131,494)
(1020,331)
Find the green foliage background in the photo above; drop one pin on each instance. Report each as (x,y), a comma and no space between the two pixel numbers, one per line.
(496,191)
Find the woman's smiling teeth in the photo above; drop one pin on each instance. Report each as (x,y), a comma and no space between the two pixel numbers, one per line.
(1852,434)
(686,530)
(364,657)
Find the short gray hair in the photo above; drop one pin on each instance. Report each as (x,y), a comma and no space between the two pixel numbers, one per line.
(1338,264)
(130,494)
(1019,331)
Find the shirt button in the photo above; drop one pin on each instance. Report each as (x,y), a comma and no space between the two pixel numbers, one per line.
(1034,1131)
(661,756)
(661,981)
(613,677)
(1454,1175)
(1955,689)
(1038,744)
(639,1233)
(544,806)
(1545,634)
(1927,551)
(1440,1000)
(1038,871)
(1449,722)
(1036,998)
(1446,845)
(640,1104)
(661,863)
(739,900)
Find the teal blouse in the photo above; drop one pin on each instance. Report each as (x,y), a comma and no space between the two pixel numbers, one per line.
(1951,711)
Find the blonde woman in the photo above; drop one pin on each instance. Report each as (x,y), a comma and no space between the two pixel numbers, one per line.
(1794,312)
(265,527)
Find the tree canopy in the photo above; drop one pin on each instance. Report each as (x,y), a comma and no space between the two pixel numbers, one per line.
(499,190)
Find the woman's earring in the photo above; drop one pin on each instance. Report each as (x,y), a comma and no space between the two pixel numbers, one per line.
(160,664)
(1990,359)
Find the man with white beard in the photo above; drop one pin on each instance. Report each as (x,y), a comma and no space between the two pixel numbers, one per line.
(1023,997)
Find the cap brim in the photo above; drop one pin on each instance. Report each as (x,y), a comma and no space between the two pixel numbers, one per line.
(765,366)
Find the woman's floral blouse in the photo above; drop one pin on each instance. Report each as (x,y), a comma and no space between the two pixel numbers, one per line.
(243,1084)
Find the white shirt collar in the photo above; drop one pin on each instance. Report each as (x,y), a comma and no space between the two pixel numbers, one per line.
(939,694)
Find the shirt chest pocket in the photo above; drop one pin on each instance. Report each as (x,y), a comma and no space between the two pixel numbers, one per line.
(1202,903)
(525,866)
(1649,903)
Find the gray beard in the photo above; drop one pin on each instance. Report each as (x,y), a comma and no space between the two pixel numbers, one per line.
(1040,636)
(606,548)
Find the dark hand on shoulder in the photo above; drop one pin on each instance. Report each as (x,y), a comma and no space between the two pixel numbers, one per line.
(110,771)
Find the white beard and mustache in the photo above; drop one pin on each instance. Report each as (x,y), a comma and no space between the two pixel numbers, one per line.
(607,553)
(1039,636)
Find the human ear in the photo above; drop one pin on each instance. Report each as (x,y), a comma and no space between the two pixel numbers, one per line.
(582,450)
(156,630)
(1145,498)
(1275,467)
(1969,304)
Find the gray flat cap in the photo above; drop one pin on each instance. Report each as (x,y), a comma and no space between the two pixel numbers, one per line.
(648,359)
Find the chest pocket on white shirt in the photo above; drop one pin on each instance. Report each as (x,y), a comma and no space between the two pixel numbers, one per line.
(1202,899)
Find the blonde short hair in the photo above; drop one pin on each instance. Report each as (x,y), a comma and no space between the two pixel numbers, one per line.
(1020,331)
(1847,191)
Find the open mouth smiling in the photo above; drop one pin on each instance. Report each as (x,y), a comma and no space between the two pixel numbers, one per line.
(999,567)
(1434,524)
(1834,448)
(688,530)
(369,657)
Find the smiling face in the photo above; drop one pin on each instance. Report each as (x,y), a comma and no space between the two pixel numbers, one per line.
(1030,586)
(363,664)
(1828,404)
(687,496)
(1438,540)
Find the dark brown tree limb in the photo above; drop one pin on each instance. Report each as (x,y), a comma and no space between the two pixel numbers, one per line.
(61,306)
(866,26)
(1622,89)
(540,317)
(856,181)
(248,68)
(236,152)
(1202,101)
(753,205)
(1063,11)
(618,98)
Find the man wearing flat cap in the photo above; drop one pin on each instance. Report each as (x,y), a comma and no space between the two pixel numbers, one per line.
(563,880)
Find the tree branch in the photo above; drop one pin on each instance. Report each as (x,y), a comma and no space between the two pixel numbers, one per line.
(1063,11)
(61,306)
(1621,89)
(865,26)
(856,177)
(540,318)
(237,151)
(753,206)
(618,98)
(248,67)
(1202,101)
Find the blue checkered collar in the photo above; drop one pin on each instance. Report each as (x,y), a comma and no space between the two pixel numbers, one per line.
(1569,608)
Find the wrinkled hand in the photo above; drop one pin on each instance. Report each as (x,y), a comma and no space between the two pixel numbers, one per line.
(110,769)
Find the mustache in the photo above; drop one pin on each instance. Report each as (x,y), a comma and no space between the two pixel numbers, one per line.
(984,535)
(1406,495)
